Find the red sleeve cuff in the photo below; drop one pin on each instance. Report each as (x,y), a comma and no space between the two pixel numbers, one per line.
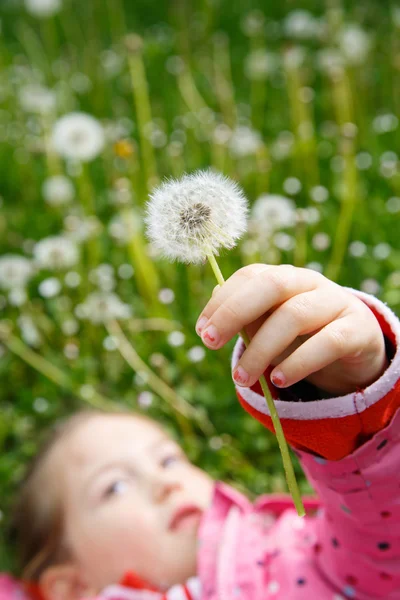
(333,427)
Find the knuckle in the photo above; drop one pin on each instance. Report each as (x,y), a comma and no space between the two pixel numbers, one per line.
(299,309)
(277,279)
(230,310)
(339,337)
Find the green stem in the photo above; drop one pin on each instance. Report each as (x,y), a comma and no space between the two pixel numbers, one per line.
(53,373)
(145,272)
(287,463)
(143,108)
(182,408)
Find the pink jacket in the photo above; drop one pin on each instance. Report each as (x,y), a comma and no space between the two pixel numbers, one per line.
(351,547)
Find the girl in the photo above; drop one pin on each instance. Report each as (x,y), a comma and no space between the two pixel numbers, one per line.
(112,508)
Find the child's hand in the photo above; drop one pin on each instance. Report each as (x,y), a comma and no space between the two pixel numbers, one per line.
(299,321)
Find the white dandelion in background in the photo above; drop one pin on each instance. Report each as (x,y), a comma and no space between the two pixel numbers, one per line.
(302,25)
(196,216)
(329,60)
(393,205)
(370,286)
(78,136)
(29,331)
(81,229)
(101,307)
(55,253)
(272,211)
(196,354)
(104,277)
(357,249)
(119,230)
(58,190)
(244,141)
(166,296)
(43,8)
(294,57)
(176,339)
(260,64)
(36,98)
(354,43)
(15,271)
(50,287)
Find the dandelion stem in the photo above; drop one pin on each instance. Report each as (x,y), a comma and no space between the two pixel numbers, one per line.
(287,463)
(143,107)
(146,274)
(183,409)
(53,373)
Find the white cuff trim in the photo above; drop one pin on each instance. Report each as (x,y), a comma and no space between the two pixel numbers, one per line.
(342,406)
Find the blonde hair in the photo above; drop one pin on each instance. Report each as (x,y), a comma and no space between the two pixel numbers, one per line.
(38,518)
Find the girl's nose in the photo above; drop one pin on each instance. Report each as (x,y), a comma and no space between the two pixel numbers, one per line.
(163,488)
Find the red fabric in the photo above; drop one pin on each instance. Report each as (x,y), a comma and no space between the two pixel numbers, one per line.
(32,590)
(131,580)
(334,439)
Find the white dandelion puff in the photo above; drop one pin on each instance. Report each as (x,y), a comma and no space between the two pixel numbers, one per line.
(195,216)
(196,354)
(355,44)
(101,307)
(81,229)
(272,211)
(302,25)
(43,8)
(55,253)
(50,287)
(244,141)
(58,190)
(78,136)
(35,98)
(176,339)
(260,64)
(15,271)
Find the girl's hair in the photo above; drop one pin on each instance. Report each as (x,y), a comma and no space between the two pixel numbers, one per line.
(37,520)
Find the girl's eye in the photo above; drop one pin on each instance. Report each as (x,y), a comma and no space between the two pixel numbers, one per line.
(117,488)
(171,459)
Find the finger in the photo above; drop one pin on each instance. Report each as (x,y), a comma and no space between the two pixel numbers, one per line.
(300,315)
(254,298)
(222,292)
(335,341)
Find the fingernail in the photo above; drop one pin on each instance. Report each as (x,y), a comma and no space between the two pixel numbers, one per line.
(278,378)
(200,324)
(240,376)
(210,336)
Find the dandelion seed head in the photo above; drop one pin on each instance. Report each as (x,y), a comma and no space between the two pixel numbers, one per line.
(58,190)
(196,215)
(370,286)
(78,136)
(43,8)
(50,287)
(56,252)
(196,354)
(15,271)
(272,211)
(355,43)
(176,339)
(71,351)
(101,307)
(35,98)
(40,405)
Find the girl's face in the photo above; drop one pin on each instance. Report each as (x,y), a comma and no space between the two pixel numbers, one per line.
(132,501)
